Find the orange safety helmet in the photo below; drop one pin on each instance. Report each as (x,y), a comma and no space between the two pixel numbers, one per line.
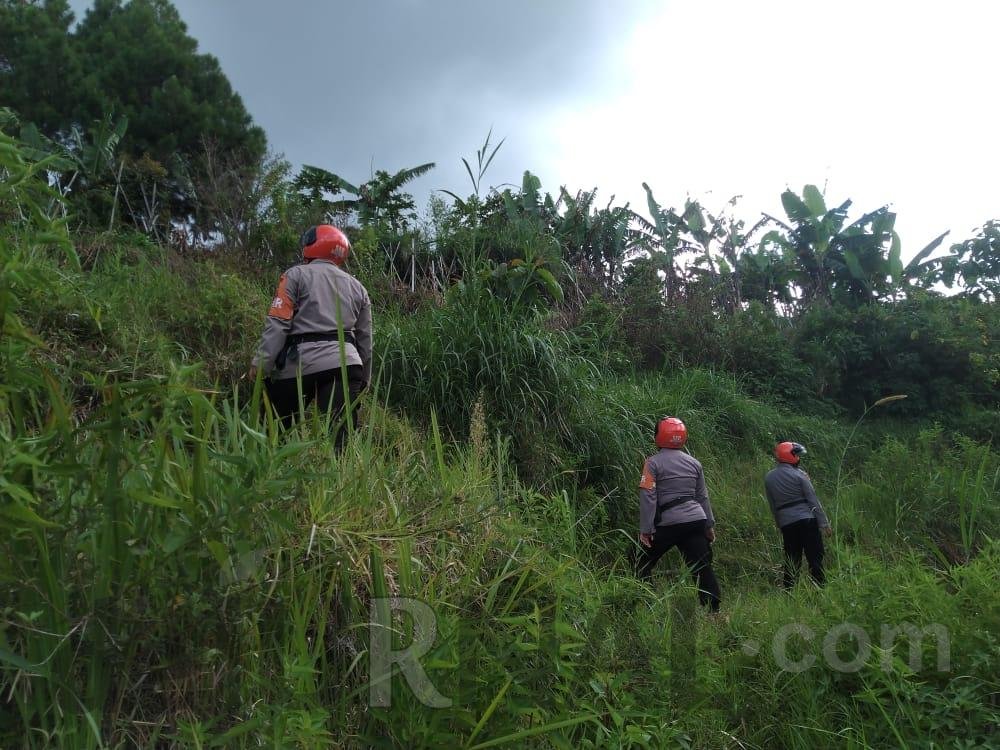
(325,242)
(671,433)
(788,452)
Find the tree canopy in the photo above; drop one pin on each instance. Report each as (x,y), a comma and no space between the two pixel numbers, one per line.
(141,63)
(40,70)
(129,60)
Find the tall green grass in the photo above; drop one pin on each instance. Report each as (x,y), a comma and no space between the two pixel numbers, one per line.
(174,572)
(186,575)
(935,492)
(139,309)
(882,702)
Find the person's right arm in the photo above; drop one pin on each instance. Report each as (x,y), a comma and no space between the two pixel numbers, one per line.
(276,326)
(647,505)
(772,504)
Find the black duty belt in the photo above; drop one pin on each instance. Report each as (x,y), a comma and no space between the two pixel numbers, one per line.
(661,508)
(668,504)
(291,347)
(305,338)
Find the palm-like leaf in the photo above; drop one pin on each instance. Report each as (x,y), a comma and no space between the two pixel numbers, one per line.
(310,177)
(917,266)
(404,176)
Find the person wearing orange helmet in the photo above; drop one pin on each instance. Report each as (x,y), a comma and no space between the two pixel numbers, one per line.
(797,513)
(320,320)
(674,510)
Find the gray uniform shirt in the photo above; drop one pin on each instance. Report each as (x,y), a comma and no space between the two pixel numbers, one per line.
(791,496)
(317,297)
(667,476)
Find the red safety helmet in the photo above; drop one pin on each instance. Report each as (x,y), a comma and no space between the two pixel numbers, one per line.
(325,242)
(671,433)
(788,453)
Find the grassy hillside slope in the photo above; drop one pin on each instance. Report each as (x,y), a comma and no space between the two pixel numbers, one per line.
(176,573)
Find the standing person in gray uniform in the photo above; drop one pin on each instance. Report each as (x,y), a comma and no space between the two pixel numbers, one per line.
(316,305)
(797,513)
(674,510)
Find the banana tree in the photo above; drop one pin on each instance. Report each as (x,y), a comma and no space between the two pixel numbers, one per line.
(522,282)
(596,241)
(720,242)
(860,260)
(529,203)
(767,276)
(662,237)
(920,269)
(379,200)
(670,234)
(87,158)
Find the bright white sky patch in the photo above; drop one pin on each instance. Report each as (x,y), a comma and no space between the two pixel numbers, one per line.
(881,102)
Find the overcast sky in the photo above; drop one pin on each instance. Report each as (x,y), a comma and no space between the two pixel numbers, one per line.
(882,101)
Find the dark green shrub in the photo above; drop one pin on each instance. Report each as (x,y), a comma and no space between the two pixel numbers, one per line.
(940,352)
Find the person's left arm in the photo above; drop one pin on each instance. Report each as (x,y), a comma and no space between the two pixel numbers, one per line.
(809,493)
(772,501)
(647,505)
(363,335)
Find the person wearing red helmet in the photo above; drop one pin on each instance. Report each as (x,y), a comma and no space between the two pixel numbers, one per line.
(797,513)
(674,510)
(320,320)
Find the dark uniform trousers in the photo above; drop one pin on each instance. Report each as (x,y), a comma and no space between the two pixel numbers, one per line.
(326,389)
(802,537)
(696,550)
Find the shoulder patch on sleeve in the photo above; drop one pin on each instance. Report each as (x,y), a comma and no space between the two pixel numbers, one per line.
(281,305)
(646,481)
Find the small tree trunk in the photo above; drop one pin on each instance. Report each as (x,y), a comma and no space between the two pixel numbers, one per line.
(118,187)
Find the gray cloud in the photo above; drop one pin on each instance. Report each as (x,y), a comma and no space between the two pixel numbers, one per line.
(353,86)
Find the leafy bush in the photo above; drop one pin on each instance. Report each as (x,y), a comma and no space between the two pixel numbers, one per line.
(934,350)
(756,345)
